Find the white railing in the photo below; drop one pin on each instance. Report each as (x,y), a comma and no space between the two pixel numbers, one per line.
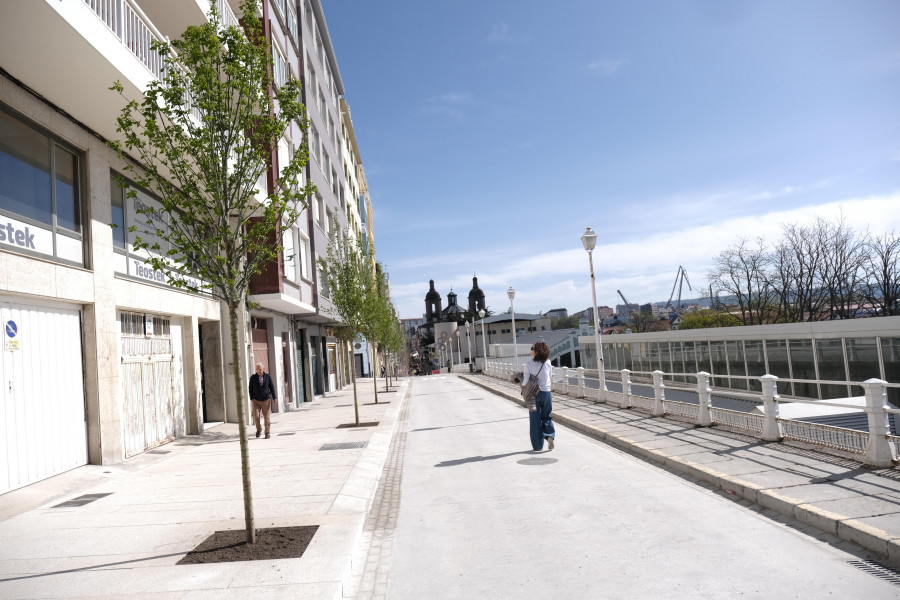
(738,420)
(226,15)
(877,447)
(683,409)
(129,23)
(848,440)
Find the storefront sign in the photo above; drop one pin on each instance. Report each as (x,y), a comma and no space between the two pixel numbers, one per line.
(25,237)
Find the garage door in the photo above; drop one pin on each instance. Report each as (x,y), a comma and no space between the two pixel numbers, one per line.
(42,419)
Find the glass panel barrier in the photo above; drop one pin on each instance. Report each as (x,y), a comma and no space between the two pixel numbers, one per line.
(756,362)
(719,363)
(803,367)
(736,364)
(776,352)
(890,353)
(830,356)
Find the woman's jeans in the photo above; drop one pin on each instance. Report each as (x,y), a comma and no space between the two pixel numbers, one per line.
(541,425)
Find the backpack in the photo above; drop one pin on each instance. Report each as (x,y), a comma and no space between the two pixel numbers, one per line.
(530,390)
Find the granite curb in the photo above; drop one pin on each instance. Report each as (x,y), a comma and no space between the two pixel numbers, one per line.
(844,527)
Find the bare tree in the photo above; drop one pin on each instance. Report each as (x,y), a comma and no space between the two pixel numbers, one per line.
(881,288)
(842,266)
(795,275)
(741,271)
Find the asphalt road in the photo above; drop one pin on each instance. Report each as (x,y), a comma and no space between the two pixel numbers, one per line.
(482,516)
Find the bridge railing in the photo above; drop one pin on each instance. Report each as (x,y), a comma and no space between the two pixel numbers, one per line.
(876,447)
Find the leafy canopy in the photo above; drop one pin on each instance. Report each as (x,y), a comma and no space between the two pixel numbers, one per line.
(204,136)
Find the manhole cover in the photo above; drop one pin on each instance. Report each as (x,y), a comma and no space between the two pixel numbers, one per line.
(343,446)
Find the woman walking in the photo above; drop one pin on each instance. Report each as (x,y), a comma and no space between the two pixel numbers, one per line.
(541,425)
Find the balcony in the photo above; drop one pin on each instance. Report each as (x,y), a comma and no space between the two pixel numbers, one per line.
(71,52)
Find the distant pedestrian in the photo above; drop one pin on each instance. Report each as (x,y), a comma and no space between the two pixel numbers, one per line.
(540,422)
(262,392)
(382,370)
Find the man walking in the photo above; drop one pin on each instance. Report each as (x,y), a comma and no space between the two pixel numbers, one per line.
(262,392)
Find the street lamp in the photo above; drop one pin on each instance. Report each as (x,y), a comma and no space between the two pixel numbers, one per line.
(458,347)
(589,239)
(512,294)
(469,344)
(483,340)
(450,343)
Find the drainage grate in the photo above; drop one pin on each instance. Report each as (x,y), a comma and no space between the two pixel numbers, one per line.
(877,569)
(158,451)
(343,446)
(289,433)
(81,500)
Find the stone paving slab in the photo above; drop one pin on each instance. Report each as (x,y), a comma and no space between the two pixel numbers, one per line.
(127,544)
(832,493)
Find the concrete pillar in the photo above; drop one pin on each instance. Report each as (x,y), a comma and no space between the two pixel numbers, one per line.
(626,388)
(580,382)
(704,392)
(659,394)
(771,428)
(565,386)
(879,452)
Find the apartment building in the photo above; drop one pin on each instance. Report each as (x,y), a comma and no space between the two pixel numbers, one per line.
(103,360)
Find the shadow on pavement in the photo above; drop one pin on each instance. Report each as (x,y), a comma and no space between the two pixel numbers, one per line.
(471,459)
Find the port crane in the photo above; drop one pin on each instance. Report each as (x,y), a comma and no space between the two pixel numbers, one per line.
(680,279)
(622,296)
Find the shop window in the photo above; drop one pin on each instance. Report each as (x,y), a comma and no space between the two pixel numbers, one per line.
(40,193)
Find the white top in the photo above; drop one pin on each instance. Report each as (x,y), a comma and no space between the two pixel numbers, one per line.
(533,368)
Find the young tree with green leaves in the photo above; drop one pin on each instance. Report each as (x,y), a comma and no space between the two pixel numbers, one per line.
(203,136)
(347,269)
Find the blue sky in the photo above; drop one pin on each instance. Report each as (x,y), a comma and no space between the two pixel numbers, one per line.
(493,132)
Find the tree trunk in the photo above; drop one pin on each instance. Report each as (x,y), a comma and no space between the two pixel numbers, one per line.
(375,370)
(242,426)
(355,401)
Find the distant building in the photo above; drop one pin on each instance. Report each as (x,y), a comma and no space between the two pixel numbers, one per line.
(557,313)
(588,313)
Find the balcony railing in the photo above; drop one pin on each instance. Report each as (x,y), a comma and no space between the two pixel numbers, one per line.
(129,23)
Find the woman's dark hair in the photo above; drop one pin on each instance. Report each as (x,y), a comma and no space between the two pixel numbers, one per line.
(541,352)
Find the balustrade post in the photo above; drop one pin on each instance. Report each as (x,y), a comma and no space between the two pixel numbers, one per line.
(879,452)
(626,388)
(565,387)
(771,428)
(580,371)
(659,394)
(704,392)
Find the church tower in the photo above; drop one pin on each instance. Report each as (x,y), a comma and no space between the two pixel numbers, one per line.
(432,304)
(476,298)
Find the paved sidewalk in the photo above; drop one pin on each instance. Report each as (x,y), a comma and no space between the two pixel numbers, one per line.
(163,503)
(836,495)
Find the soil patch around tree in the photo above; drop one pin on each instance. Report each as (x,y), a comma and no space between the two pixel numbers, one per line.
(349,425)
(271,543)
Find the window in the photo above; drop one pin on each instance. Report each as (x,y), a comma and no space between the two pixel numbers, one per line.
(315,147)
(290,254)
(311,84)
(117,202)
(279,66)
(321,104)
(40,193)
(320,212)
(303,255)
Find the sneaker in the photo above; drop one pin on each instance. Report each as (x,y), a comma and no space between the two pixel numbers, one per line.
(267,436)
(550,443)
(258,433)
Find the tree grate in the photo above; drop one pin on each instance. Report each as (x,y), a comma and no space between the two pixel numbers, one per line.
(877,569)
(343,446)
(81,500)
(289,433)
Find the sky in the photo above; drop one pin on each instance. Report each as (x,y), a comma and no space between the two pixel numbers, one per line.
(493,132)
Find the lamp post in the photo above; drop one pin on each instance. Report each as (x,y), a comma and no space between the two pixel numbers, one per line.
(458,347)
(512,294)
(469,344)
(589,240)
(483,339)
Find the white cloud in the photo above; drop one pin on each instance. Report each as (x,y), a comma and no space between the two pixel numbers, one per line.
(449,104)
(605,66)
(499,34)
(643,268)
